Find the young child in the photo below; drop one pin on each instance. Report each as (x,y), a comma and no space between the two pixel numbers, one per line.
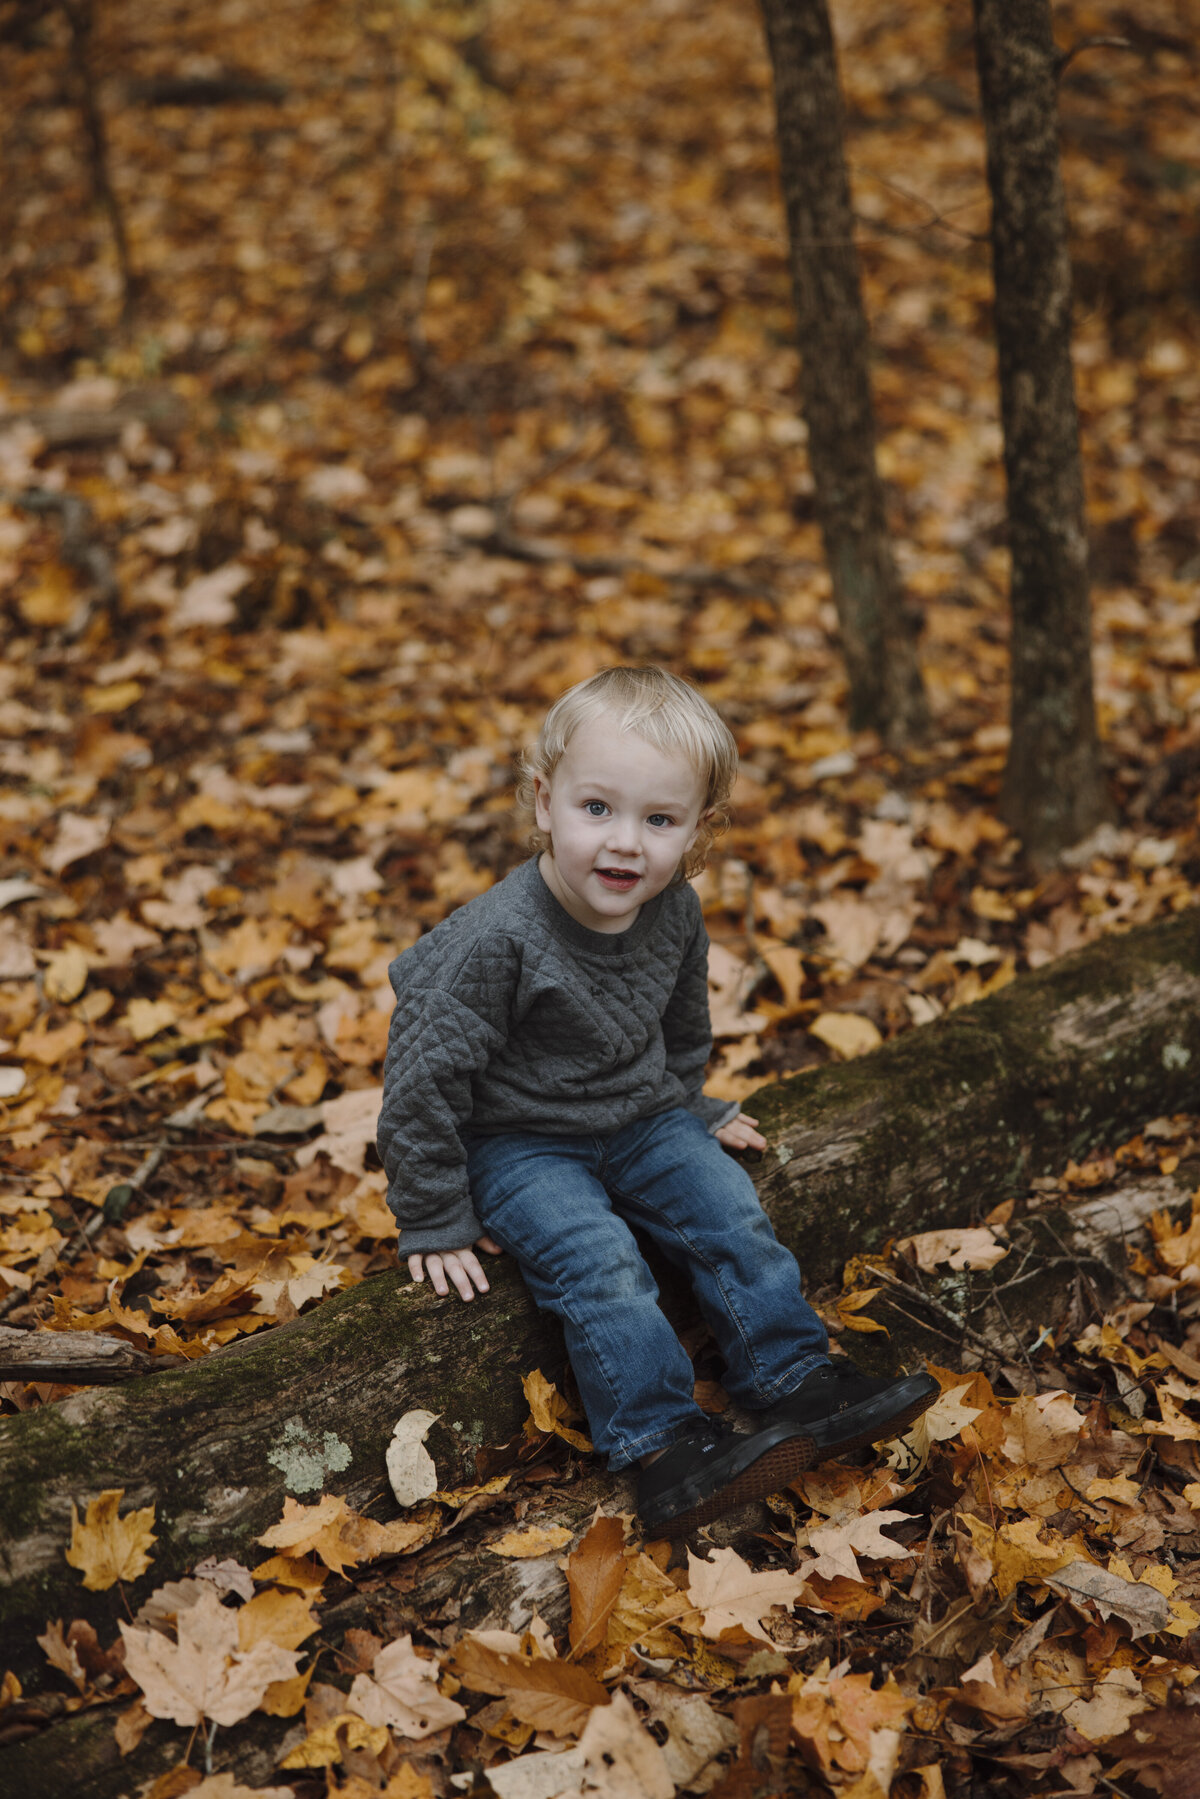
(543,1092)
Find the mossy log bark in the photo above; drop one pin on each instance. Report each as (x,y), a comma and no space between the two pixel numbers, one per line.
(934,1128)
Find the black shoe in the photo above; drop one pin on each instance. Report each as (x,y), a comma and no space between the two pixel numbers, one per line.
(708,1470)
(840,1409)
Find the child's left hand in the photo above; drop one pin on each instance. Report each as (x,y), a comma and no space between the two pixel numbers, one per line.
(740,1133)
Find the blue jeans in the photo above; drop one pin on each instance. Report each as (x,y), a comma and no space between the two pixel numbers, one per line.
(562,1207)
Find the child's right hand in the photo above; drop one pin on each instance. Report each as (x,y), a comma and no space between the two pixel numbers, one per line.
(462,1266)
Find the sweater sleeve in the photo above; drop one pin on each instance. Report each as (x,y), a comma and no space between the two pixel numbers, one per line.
(687,1032)
(445,1027)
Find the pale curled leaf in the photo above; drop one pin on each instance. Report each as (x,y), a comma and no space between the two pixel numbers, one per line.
(401,1692)
(410,1467)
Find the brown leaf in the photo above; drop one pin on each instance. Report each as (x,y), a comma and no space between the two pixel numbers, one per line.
(595,1572)
(552,1695)
(1162,1750)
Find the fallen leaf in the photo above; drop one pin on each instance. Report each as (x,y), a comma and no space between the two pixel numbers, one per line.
(552,1695)
(1162,1749)
(401,1692)
(944,1419)
(1041,1430)
(974,1247)
(837,1545)
(78,836)
(146,1018)
(108,1548)
(595,1573)
(1135,1602)
(330,1741)
(65,975)
(621,1758)
(203,1675)
(549,1774)
(548,1410)
(410,1466)
(731,1596)
(227,1786)
(848,1034)
(1116,1698)
(540,1539)
(697,1734)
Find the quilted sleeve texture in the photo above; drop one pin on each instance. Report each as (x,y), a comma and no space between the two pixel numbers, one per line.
(687,1032)
(449,1019)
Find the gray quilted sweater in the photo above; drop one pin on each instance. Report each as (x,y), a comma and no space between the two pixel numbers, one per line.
(510,1016)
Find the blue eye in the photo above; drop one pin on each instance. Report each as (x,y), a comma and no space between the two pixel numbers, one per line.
(660,818)
(595,808)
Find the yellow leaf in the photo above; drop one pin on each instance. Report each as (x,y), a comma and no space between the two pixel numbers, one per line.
(108,1548)
(117,698)
(849,1304)
(53,598)
(49,1047)
(282,1618)
(331,1740)
(66,975)
(542,1539)
(848,1034)
(548,1408)
(145,1018)
(985,903)
(293,1571)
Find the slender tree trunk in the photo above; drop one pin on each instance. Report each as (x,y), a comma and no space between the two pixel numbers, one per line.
(81,20)
(877,639)
(1054,792)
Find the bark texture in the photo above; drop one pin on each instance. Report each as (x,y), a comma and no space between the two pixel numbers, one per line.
(835,384)
(1054,792)
(936,1127)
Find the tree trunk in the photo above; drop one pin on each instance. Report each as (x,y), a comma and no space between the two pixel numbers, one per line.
(935,1128)
(835,384)
(1054,792)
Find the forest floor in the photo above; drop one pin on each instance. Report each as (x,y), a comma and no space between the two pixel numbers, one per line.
(460,363)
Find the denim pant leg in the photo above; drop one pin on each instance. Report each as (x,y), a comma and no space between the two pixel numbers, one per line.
(542,1201)
(672,1179)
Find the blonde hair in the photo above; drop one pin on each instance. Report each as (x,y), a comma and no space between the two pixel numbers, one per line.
(663,711)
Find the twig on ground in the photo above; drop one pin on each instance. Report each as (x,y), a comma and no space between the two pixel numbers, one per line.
(958,1325)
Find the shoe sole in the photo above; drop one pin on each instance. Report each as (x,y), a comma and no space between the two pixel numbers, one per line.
(768,1474)
(829,1443)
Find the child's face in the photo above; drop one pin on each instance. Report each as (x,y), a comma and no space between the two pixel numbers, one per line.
(620,816)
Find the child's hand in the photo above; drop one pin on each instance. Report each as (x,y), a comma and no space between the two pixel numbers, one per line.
(740,1133)
(462,1266)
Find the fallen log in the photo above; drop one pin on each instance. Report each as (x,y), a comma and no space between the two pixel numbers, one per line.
(935,1128)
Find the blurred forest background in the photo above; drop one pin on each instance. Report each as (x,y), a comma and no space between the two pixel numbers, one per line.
(395,366)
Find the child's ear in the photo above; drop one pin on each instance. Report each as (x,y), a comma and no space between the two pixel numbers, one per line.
(541,802)
(700,824)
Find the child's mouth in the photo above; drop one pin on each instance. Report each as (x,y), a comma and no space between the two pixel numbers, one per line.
(620,880)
